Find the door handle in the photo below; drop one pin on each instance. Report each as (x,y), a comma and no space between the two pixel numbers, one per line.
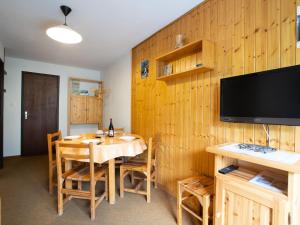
(26,115)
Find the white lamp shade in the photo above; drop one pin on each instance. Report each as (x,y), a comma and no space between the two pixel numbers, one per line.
(64,34)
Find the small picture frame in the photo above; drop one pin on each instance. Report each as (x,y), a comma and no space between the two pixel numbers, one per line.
(144,68)
(75,87)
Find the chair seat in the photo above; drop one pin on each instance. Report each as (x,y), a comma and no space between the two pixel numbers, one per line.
(82,173)
(140,161)
(199,186)
(134,166)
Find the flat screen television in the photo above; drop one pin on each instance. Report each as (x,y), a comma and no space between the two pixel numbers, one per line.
(268,97)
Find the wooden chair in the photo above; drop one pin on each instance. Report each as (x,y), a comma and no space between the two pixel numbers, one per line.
(202,188)
(141,168)
(51,158)
(81,173)
(141,159)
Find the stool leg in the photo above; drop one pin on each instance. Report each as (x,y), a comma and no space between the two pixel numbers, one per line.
(179,201)
(79,185)
(132,177)
(205,206)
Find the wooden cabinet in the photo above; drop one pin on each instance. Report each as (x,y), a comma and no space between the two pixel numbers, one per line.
(85,110)
(239,201)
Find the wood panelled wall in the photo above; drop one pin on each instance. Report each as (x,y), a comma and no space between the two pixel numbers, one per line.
(183,114)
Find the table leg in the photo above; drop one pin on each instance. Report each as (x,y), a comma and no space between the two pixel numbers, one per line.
(68,166)
(112,181)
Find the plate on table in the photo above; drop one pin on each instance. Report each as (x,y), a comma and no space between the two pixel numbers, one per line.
(94,141)
(72,137)
(127,138)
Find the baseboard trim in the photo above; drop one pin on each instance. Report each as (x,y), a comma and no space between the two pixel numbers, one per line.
(12,157)
(164,189)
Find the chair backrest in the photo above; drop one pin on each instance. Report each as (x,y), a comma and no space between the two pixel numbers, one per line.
(52,138)
(149,156)
(73,152)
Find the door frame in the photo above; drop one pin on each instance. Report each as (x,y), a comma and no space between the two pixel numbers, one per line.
(2,90)
(22,102)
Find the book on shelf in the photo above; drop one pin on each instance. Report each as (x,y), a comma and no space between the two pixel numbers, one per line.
(274,182)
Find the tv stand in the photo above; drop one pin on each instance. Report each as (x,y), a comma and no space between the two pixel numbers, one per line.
(238,198)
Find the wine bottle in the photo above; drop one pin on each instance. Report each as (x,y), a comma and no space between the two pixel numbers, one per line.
(111,131)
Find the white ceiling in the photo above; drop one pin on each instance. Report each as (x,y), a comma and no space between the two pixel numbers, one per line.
(109,28)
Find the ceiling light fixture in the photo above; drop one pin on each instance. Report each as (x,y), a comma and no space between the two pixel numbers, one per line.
(64,33)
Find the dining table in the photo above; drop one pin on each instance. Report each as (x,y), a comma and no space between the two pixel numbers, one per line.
(106,149)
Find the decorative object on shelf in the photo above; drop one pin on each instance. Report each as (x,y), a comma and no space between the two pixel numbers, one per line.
(199,65)
(63,33)
(168,69)
(96,92)
(75,87)
(179,41)
(84,92)
(144,68)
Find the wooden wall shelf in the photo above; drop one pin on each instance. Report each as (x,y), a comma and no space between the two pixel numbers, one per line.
(200,69)
(197,56)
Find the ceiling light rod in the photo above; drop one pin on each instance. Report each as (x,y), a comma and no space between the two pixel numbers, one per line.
(66,11)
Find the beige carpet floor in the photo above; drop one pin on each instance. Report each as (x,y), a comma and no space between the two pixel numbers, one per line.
(26,201)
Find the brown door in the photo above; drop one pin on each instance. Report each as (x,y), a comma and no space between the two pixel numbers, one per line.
(40,94)
(1,110)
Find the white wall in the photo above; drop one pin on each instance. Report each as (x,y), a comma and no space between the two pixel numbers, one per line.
(117,101)
(12,97)
(1,51)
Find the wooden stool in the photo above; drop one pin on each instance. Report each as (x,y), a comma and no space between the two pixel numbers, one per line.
(202,188)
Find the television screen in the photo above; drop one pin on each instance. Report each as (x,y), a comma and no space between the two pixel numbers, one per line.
(269,97)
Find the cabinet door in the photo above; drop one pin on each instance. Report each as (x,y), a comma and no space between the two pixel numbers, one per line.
(241,210)
(238,204)
(78,109)
(94,110)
